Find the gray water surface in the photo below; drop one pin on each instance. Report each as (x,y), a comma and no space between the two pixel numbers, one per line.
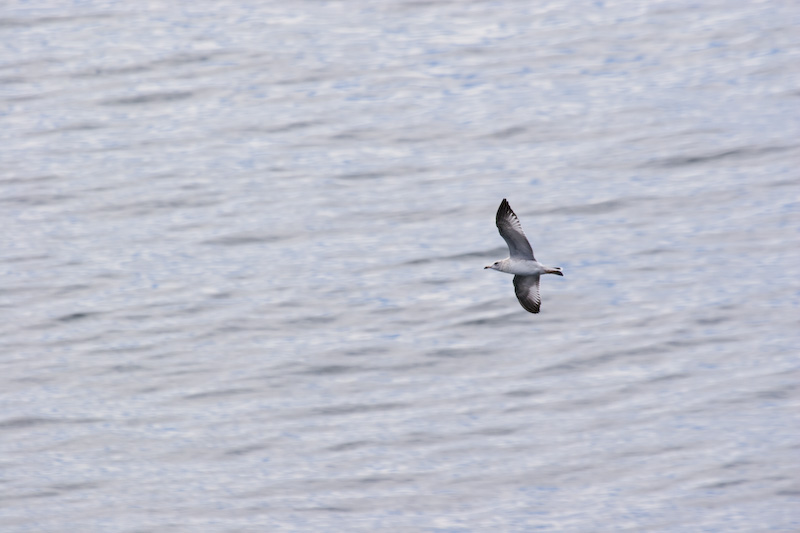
(242,266)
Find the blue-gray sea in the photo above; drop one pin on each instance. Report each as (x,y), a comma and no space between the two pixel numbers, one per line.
(242,250)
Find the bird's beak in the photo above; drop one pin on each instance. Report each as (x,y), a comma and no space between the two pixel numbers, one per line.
(490,266)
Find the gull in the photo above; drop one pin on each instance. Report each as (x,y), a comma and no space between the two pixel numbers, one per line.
(520,260)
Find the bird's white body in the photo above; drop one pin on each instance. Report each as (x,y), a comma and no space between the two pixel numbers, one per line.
(521,267)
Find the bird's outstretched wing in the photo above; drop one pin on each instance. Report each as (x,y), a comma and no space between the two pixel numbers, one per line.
(527,291)
(511,231)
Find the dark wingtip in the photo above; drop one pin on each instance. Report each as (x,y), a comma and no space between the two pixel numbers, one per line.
(534,310)
(504,209)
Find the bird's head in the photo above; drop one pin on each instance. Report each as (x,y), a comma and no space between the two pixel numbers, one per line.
(493,266)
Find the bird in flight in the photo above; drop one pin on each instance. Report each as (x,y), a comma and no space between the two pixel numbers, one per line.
(520,260)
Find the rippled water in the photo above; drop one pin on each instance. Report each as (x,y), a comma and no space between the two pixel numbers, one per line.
(242,256)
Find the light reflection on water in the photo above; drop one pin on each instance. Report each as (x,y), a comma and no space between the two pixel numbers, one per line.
(243,251)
